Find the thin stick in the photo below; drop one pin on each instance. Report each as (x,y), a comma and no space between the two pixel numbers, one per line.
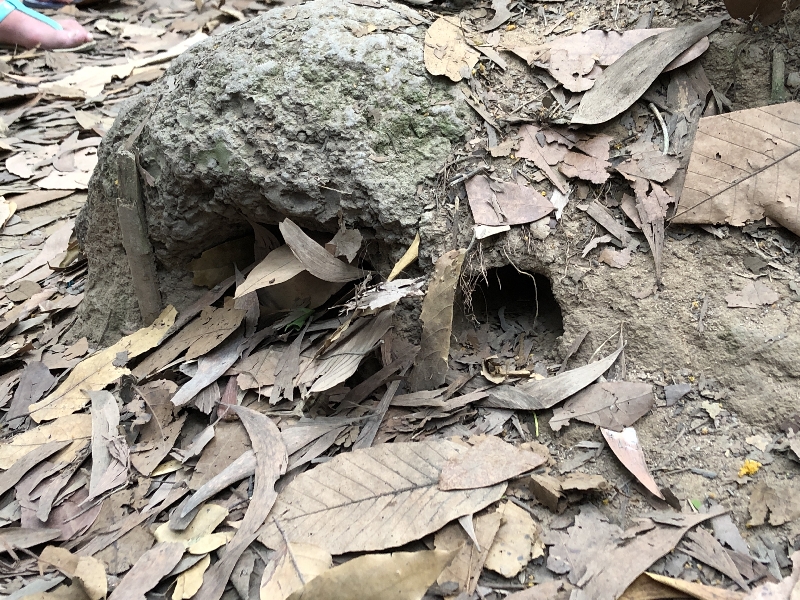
(663,127)
(289,552)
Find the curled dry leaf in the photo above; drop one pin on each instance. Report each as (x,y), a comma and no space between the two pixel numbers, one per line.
(401,575)
(318,261)
(625,445)
(611,404)
(384,483)
(447,51)
(545,393)
(488,462)
(97,371)
(280,265)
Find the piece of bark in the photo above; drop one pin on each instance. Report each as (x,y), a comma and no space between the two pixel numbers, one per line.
(430,366)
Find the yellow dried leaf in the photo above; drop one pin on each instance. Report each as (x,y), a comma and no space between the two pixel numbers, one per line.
(210,542)
(75,428)
(205,522)
(90,573)
(169,466)
(191,579)
(409,257)
(282,581)
(98,371)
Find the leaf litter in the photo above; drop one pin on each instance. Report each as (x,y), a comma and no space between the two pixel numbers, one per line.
(118,431)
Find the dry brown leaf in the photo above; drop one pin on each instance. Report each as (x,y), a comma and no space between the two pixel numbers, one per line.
(279,265)
(754,295)
(545,393)
(572,59)
(619,259)
(76,429)
(702,546)
(430,366)
(97,371)
(55,245)
(12,476)
(624,82)
(742,168)
(109,451)
(408,257)
(318,261)
(555,589)
(488,462)
(271,461)
(291,567)
(88,572)
(625,445)
(516,543)
(189,582)
(611,404)
(210,368)
(207,519)
(787,589)
(514,205)
(400,576)
(21,538)
(199,337)
(589,168)
(466,566)
(148,571)
(781,502)
(158,435)
(652,204)
(447,51)
(604,569)
(340,361)
(531,149)
(549,490)
(693,589)
(652,165)
(387,482)
(347,243)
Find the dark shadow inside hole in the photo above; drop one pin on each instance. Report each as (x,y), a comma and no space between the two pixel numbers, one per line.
(525,300)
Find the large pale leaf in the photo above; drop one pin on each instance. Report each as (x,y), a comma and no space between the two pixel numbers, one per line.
(97,371)
(400,576)
(372,499)
(280,265)
(75,429)
(744,167)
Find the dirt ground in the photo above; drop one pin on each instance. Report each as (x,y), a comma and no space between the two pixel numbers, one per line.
(726,379)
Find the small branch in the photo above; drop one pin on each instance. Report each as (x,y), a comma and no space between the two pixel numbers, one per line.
(663,127)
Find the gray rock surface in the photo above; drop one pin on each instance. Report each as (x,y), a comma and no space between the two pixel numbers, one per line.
(297,114)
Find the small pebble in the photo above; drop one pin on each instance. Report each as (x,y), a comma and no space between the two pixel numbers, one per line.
(793,80)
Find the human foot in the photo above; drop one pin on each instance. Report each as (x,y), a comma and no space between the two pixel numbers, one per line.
(20,28)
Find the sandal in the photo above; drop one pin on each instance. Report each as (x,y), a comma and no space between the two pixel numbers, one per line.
(9,6)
